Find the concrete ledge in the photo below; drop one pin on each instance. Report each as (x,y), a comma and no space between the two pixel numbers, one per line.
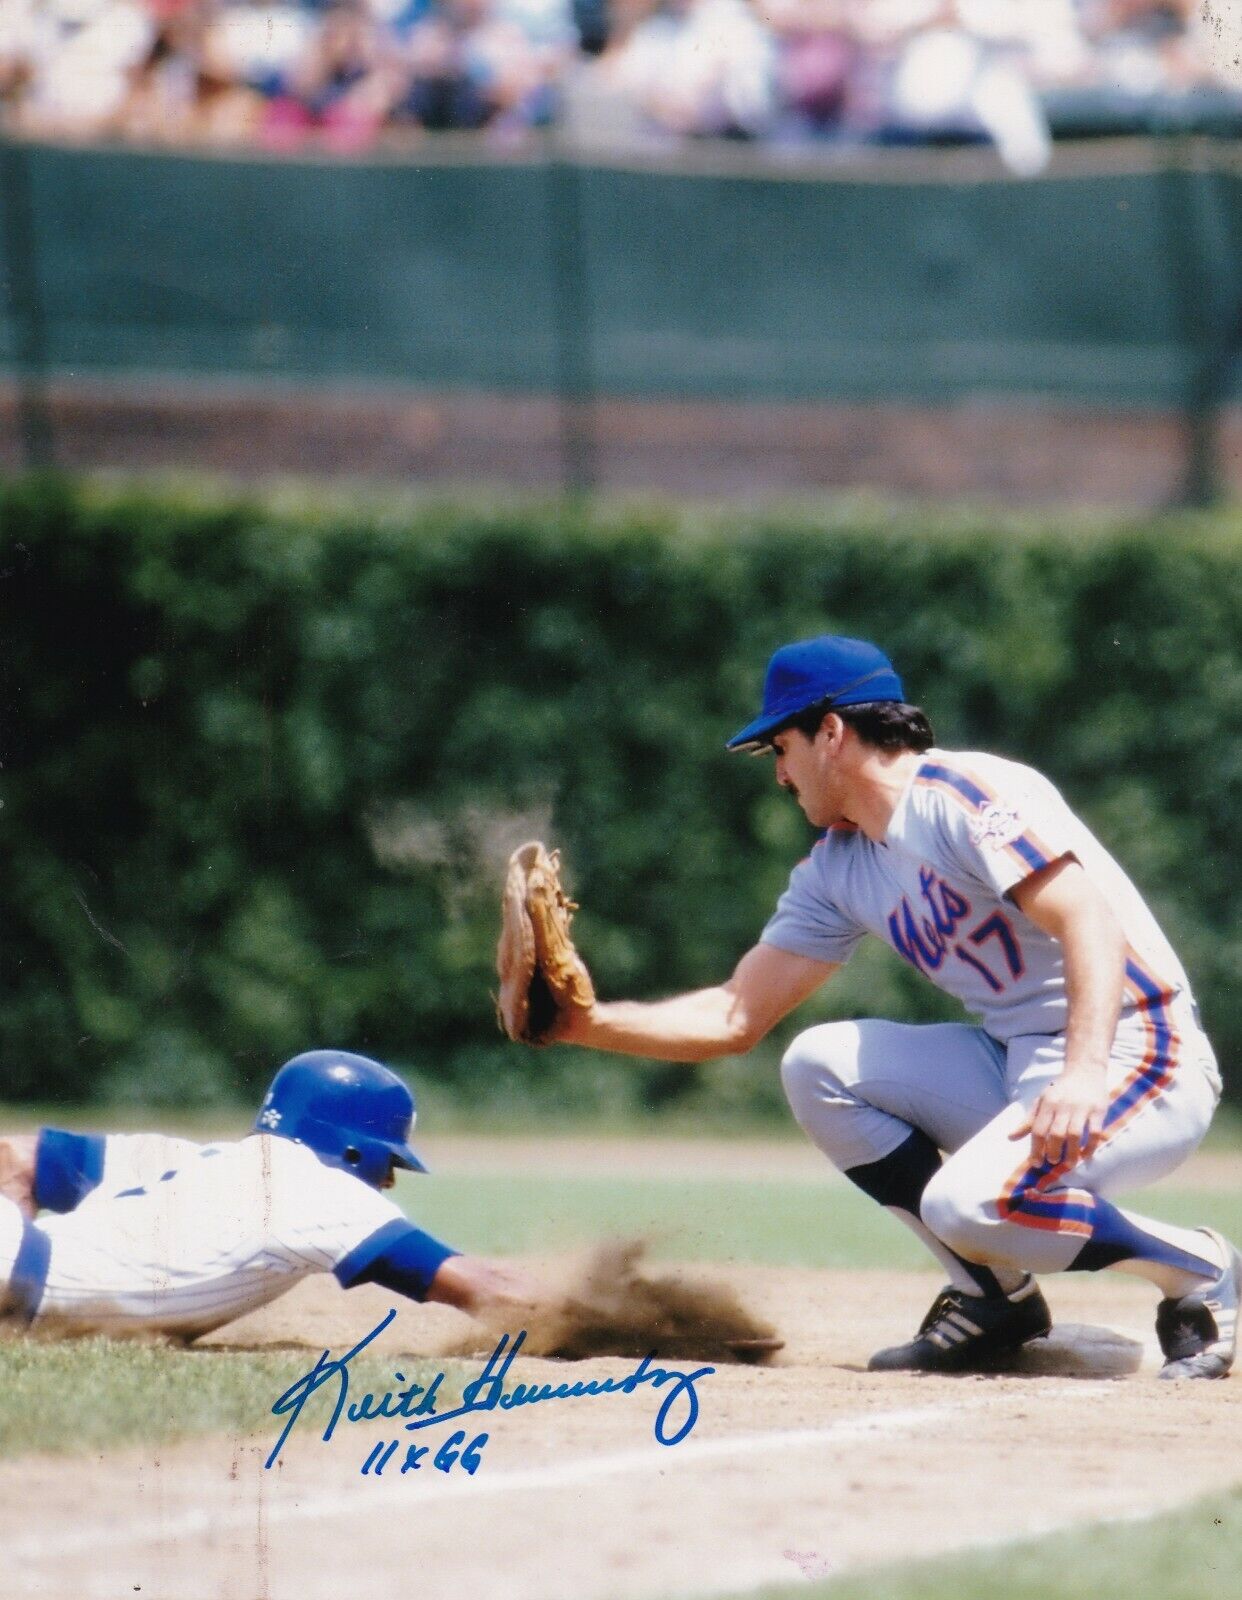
(1018,453)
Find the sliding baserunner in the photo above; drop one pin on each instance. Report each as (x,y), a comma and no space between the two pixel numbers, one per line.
(139,1233)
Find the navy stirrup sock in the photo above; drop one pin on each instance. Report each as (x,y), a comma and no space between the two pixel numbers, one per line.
(1115,1238)
(898,1179)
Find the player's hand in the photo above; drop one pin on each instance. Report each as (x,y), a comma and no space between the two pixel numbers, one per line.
(503,1288)
(17,1171)
(1066,1123)
(483,1288)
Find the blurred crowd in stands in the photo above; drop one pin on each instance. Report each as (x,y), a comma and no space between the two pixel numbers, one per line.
(281,74)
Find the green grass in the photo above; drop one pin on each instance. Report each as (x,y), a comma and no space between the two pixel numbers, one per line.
(775,1223)
(89,1394)
(1191,1554)
(703,1219)
(447,1112)
(1226,1130)
(444,1112)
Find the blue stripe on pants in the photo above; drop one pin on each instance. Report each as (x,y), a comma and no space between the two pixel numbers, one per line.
(28,1278)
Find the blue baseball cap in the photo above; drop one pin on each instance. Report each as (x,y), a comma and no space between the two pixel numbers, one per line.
(843,672)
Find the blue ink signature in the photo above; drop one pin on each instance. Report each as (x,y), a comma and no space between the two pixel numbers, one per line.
(675,1419)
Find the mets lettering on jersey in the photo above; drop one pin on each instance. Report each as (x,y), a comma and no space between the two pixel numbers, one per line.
(967,829)
(925,944)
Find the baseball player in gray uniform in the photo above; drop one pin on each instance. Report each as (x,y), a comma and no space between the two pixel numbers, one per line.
(142,1232)
(1001,1143)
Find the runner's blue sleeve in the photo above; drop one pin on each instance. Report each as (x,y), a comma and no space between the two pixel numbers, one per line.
(397,1256)
(67,1167)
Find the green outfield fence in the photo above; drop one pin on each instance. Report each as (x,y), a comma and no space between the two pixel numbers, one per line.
(1114,280)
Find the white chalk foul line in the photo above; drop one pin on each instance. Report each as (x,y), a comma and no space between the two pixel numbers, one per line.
(651,1459)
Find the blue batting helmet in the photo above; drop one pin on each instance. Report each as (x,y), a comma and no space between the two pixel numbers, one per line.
(351,1111)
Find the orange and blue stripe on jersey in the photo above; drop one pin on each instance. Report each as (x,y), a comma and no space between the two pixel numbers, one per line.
(1024,1198)
(973,797)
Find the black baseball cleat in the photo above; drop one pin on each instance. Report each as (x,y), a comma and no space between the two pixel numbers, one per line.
(969,1332)
(1199,1332)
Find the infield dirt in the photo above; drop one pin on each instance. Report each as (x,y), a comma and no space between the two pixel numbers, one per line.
(808,1467)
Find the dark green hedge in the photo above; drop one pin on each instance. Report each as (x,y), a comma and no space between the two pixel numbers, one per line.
(262,765)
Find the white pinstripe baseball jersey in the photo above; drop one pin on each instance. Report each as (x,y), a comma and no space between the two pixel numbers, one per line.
(184,1237)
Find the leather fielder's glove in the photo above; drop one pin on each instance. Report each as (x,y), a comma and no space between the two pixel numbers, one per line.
(541,973)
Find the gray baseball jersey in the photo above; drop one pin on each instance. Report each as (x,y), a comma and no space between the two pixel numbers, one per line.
(967,829)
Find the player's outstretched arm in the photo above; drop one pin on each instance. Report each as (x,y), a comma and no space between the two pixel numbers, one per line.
(17,1171)
(401,1257)
(482,1287)
(725,1020)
